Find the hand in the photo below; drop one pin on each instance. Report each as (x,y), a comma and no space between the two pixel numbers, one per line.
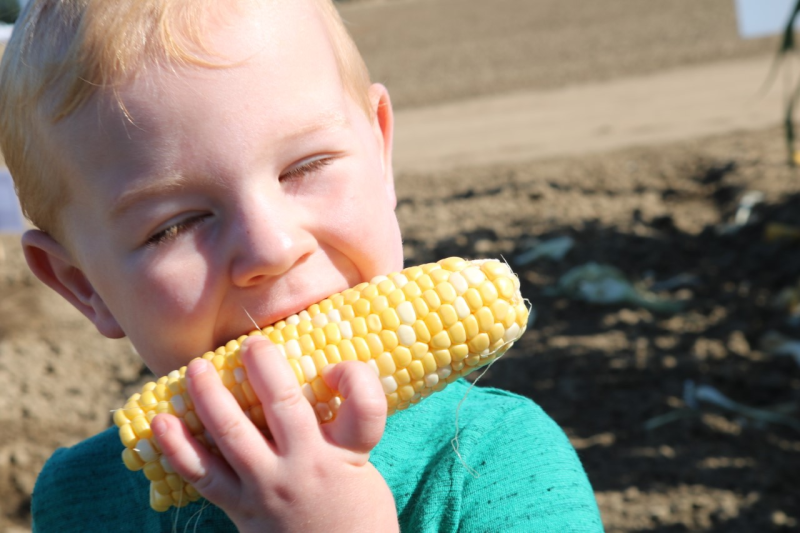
(311,477)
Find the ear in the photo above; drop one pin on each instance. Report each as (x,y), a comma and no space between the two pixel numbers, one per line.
(54,266)
(383,127)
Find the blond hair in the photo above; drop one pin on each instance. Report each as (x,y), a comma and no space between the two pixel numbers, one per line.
(62,52)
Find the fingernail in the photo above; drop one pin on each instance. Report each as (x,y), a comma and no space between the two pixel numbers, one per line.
(196,367)
(158,426)
(254,339)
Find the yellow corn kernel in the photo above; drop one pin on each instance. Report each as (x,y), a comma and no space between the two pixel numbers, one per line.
(421,330)
(479,343)
(499,309)
(402,377)
(389,319)
(471,326)
(432,299)
(416,369)
(304,327)
(333,334)
(386,364)
(448,315)
(385,287)
(131,460)
(359,326)
(375,345)
(362,349)
(425,282)
(388,339)
(488,292)
(446,292)
(332,354)
(127,436)
(522,315)
(347,313)
(379,304)
(411,290)
(440,341)
(141,427)
(369,292)
(320,361)
(485,319)
(362,307)
(396,297)
(276,337)
(457,333)
(496,333)
(419,349)
(154,472)
(406,392)
(439,275)
(442,358)
(249,393)
(307,345)
(374,323)
(473,299)
(347,350)
(434,323)
(402,356)
(326,305)
(420,307)
(290,332)
(453,264)
(119,417)
(459,352)
(321,390)
(318,336)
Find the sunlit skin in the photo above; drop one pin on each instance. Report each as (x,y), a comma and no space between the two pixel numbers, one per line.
(253,189)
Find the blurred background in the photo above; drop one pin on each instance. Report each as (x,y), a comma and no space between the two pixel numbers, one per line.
(628,159)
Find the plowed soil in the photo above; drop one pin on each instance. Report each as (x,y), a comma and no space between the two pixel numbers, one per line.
(606,374)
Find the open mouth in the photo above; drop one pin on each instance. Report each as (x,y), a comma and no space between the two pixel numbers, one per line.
(253,322)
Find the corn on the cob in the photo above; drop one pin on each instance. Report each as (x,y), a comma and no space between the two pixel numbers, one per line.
(418,329)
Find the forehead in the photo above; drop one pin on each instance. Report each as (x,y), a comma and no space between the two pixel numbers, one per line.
(274,59)
(273,44)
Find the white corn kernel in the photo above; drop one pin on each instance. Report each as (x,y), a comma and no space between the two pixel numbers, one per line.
(406,335)
(308,367)
(346,330)
(458,282)
(389,384)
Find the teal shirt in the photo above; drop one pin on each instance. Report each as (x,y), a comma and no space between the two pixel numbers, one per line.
(527,477)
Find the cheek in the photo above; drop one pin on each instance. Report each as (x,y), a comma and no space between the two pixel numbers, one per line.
(179,285)
(364,228)
(165,297)
(172,312)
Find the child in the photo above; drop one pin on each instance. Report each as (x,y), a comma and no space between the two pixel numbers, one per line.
(188,159)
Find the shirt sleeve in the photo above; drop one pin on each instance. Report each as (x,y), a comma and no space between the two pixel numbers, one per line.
(87,488)
(515,470)
(524,475)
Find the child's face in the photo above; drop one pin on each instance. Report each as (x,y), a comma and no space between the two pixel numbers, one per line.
(259,188)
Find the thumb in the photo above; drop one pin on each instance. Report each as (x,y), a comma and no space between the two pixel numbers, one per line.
(361,419)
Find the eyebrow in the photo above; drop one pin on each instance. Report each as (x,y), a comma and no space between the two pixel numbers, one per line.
(325,122)
(163,185)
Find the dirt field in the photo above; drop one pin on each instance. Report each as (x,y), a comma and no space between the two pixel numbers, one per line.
(602,372)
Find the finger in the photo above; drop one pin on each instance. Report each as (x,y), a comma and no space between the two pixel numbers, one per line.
(361,419)
(239,441)
(290,417)
(209,474)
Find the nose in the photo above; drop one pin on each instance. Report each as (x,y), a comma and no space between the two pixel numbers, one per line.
(269,239)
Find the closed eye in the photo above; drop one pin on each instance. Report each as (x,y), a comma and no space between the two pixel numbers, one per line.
(307,167)
(173,231)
